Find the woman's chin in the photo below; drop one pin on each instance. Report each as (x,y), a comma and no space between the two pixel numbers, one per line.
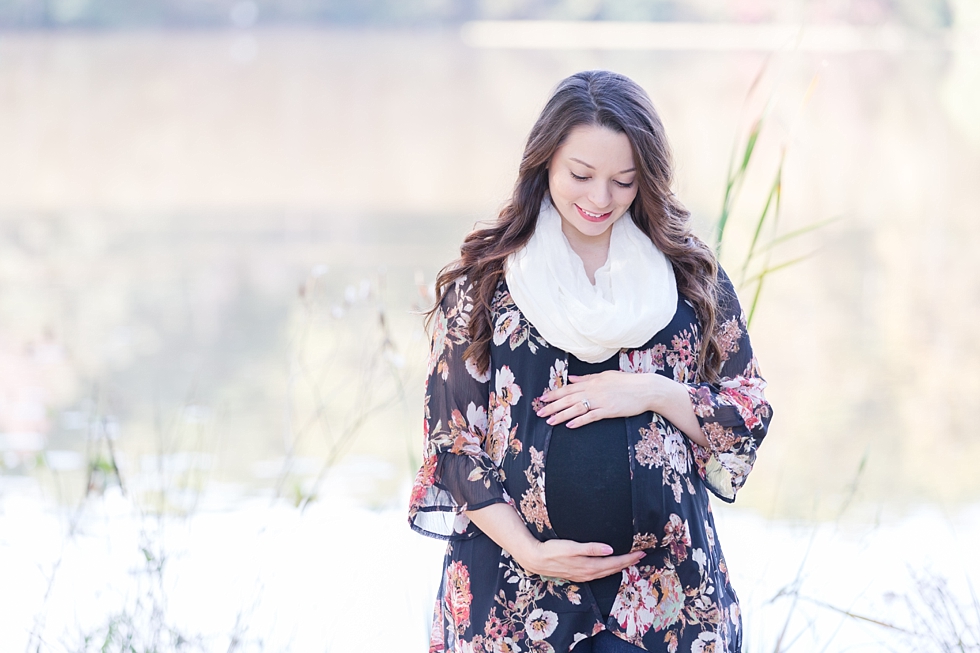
(590,229)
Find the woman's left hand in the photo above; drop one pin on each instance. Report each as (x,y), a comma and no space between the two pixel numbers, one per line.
(600,396)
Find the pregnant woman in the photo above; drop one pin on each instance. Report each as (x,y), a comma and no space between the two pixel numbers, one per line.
(590,380)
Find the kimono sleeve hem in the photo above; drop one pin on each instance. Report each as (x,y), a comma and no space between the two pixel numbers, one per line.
(723,482)
(469,532)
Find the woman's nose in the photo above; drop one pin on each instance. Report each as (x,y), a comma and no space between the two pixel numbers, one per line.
(600,196)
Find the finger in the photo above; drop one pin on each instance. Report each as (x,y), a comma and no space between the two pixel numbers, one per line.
(627,559)
(593,415)
(610,565)
(564,391)
(558,393)
(600,567)
(561,404)
(592,549)
(571,412)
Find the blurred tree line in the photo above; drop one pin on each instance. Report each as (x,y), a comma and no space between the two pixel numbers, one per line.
(48,14)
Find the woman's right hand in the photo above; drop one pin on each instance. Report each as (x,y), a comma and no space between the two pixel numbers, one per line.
(566,559)
(575,561)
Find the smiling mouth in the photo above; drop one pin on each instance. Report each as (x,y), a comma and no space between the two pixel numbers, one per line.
(592,217)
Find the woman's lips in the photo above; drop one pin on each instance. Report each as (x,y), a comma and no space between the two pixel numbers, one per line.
(592,217)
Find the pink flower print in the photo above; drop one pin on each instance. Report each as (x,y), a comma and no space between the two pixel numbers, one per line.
(650,598)
(734,615)
(681,357)
(728,335)
(657,354)
(705,643)
(499,432)
(437,637)
(643,541)
(744,405)
(537,459)
(540,624)
(700,557)
(505,325)
(643,361)
(559,375)
(495,628)
(630,608)
(508,392)
(477,418)
(423,481)
(650,448)
(461,521)
(470,365)
(458,596)
(505,645)
(675,451)
(709,533)
(736,465)
(439,330)
(701,398)
(746,395)
(668,596)
(677,536)
(468,433)
(722,438)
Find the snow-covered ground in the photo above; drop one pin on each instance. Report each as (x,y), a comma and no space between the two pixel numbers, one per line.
(341,577)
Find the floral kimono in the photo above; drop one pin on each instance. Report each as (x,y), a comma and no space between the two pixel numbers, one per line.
(484,444)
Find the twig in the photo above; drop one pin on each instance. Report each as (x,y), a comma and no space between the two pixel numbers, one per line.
(854,615)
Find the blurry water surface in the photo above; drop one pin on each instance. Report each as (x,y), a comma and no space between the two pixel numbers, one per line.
(198,230)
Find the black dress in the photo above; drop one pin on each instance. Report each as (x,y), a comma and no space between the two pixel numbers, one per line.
(589,494)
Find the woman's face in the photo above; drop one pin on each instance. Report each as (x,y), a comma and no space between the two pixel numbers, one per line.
(592,179)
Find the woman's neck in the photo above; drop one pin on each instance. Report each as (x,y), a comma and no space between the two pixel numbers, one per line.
(593,250)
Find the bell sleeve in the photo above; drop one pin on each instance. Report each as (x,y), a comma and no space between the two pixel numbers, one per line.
(456,474)
(733,412)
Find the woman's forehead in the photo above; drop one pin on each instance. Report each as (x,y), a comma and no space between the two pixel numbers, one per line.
(598,147)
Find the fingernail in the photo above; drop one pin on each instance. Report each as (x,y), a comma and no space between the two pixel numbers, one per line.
(606,550)
(642,555)
(551,420)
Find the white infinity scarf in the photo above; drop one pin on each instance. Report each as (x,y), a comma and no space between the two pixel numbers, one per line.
(634,296)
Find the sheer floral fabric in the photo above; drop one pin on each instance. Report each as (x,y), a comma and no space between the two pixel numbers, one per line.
(484,444)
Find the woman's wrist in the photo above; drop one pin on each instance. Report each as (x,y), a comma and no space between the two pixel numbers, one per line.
(672,400)
(658,392)
(526,552)
(502,523)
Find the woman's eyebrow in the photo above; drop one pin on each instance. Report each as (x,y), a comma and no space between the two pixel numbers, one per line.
(621,172)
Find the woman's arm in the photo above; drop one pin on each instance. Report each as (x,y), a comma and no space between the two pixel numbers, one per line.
(456,472)
(726,421)
(623,394)
(555,558)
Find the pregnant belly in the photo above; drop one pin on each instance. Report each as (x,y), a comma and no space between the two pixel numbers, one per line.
(587,484)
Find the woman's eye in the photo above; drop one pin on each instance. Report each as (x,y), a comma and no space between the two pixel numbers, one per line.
(622,185)
(577,178)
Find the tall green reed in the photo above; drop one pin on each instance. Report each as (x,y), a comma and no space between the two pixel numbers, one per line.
(757,263)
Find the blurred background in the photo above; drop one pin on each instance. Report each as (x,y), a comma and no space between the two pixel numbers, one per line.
(219,220)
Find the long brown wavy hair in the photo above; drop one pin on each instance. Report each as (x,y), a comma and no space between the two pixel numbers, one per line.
(606,99)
